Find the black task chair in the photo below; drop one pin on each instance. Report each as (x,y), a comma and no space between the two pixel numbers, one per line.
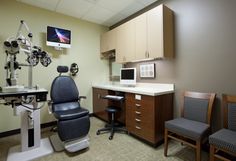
(73,121)
(112,127)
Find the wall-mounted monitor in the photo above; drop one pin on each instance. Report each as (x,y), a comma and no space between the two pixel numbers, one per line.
(58,37)
(128,76)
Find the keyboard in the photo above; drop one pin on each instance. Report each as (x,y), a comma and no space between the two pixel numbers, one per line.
(113,97)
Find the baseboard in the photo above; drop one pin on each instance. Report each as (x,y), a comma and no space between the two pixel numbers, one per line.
(17,131)
(9,133)
(44,125)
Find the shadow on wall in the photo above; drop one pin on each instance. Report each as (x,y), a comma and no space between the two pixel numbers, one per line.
(216,117)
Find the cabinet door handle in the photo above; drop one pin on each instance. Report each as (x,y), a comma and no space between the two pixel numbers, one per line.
(137,112)
(137,105)
(137,127)
(137,120)
(148,54)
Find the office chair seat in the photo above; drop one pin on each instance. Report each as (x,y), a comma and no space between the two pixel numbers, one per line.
(71,114)
(112,109)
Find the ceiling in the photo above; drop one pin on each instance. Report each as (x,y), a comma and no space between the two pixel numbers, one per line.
(104,12)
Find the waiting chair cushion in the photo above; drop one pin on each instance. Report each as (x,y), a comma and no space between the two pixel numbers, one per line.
(196,109)
(225,139)
(232,116)
(188,128)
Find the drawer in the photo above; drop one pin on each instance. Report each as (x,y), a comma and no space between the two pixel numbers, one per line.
(144,130)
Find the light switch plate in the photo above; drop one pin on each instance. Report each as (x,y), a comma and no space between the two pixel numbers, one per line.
(147,70)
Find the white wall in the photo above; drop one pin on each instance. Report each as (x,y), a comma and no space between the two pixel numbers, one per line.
(84,51)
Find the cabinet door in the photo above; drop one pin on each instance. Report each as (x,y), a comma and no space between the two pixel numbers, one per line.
(141,37)
(125,42)
(108,41)
(155,32)
(103,42)
(99,104)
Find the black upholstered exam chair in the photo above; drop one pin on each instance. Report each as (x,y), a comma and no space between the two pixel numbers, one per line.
(112,109)
(225,139)
(193,127)
(73,121)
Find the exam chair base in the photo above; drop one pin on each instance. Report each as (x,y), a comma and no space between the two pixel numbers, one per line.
(72,146)
(15,152)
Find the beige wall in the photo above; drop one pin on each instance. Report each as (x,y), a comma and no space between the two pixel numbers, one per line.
(205,36)
(84,51)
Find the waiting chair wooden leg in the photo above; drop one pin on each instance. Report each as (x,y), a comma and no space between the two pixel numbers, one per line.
(166,142)
(212,152)
(198,150)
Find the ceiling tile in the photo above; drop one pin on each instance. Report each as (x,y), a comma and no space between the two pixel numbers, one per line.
(131,9)
(147,2)
(98,14)
(46,4)
(75,8)
(114,19)
(106,12)
(115,5)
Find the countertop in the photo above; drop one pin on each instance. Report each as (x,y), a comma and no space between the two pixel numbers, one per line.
(151,89)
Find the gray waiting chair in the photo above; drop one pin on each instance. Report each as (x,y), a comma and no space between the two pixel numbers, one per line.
(193,127)
(225,139)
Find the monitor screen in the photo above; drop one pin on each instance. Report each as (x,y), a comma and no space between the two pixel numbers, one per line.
(58,37)
(128,76)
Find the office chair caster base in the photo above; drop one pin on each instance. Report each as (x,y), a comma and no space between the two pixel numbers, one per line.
(110,137)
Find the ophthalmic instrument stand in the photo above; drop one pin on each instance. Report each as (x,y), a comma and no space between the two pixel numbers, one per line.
(26,104)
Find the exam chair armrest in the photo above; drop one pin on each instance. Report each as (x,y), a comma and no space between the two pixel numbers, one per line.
(50,106)
(82,97)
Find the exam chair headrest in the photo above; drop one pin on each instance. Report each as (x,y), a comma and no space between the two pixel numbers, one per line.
(62,69)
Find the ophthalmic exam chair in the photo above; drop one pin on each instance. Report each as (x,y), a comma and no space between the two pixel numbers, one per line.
(73,121)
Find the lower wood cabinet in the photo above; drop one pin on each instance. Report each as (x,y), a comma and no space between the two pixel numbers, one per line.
(145,118)
(99,104)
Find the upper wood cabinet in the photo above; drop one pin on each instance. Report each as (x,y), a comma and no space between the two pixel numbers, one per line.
(125,42)
(141,51)
(108,41)
(148,36)
(160,32)
(154,34)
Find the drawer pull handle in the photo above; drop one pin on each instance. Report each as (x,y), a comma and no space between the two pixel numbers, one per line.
(137,112)
(137,105)
(137,127)
(137,120)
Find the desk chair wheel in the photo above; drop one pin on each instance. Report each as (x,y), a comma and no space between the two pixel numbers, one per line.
(98,132)
(110,137)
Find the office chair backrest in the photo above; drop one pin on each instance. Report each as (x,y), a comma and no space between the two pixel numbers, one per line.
(197,106)
(229,107)
(63,88)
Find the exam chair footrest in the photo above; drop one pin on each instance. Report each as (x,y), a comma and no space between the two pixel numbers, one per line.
(71,146)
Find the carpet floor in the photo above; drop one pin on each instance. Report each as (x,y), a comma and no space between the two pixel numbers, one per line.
(123,147)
